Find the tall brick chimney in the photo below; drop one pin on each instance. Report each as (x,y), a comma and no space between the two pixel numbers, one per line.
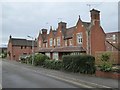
(44,31)
(62,25)
(95,17)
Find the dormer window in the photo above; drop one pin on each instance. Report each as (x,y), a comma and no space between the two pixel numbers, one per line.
(79,38)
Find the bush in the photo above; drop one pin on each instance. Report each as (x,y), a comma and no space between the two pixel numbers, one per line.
(39,59)
(53,64)
(22,59)
(79,63)
(105,66)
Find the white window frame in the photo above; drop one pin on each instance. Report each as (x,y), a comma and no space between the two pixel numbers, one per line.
(58,41)
(48,54)
(46,44)
(79,38)
(65,42)
(114,37)
(70,42)
(55,56)
(51,41)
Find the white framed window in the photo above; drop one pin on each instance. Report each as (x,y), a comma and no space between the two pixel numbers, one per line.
(50,41)
(79,38)
(55,56)
(65,42)
(46,45)
(58,41)
(70,42)
(114,37)
(48,54)
(39,43)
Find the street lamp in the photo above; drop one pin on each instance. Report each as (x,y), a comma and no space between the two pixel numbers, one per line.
(32,48)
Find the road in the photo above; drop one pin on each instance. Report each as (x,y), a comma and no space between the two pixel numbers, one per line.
(18,76)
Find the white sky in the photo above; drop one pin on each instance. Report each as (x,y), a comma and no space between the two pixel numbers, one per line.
(20,19)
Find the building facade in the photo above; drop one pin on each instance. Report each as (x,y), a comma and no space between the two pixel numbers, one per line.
(84,37)
(113,41)
(18,47)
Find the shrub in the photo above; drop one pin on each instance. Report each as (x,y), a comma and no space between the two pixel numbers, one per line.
(39,59)
(22,59)
(105,66)
(53,64)
(105,57)
(79,63)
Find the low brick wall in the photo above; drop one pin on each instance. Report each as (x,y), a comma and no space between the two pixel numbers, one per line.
(107,74)
(114,58)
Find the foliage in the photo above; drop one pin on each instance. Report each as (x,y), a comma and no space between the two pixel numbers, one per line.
(79,63)
(105,57)
(23,59)
(53,64)
(116,68)
(39,59)
(105,66)
(3,55)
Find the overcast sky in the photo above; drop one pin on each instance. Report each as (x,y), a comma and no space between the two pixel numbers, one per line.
(22,19)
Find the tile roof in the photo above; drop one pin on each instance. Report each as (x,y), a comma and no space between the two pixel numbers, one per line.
(66,32)
(69,49)
(63,49)
(86,24)
(44,50)
(69,32)
(22,42)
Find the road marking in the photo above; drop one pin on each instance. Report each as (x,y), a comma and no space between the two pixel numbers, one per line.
(88,84)
(81,81)
(76,83)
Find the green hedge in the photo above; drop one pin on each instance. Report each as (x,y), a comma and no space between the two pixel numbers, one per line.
(53,64)
(79,63)
(39,59)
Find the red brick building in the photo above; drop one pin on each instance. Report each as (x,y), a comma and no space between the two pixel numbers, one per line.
(18,47)
(113,41)
(84,37)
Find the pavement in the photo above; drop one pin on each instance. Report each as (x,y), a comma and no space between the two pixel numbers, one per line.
(86,81)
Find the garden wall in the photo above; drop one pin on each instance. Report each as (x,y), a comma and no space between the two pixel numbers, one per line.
(114,57)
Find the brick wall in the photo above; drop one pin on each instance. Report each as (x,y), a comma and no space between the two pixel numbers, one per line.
(114,57)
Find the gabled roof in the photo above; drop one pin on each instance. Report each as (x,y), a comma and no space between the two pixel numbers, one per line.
(86,24)
(69,32)
(22,42)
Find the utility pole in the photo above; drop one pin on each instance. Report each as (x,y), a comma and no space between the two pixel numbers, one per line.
(32,49)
